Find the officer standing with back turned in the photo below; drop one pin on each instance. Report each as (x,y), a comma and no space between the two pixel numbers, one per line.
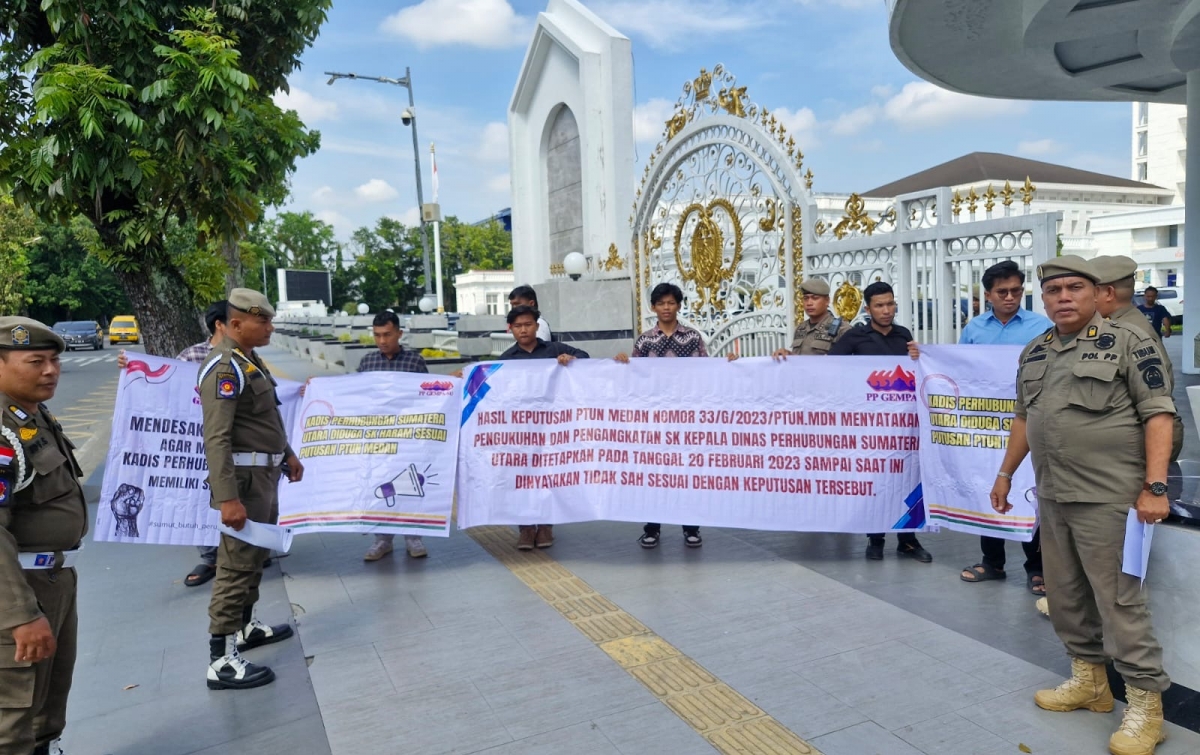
(246,446)
(43,518)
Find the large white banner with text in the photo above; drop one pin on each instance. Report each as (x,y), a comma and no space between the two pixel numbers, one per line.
(378,451)
(155,487)
(965,399)
(807,444)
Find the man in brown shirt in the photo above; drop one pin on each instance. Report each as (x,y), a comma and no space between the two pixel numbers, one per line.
(1094,410)
(815,336)
(246,447)
(43,518)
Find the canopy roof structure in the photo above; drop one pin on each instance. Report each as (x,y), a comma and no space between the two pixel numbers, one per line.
(1117,50)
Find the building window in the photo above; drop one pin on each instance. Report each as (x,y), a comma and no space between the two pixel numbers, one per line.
(1143,113)
(1141,139)
(493,304)
(1142,173)
(1172,235)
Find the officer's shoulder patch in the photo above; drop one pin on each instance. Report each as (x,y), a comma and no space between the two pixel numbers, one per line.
(1106,341)
(1152,376)
(1049,336)
(18,412)
(1092,331)
(227,384)
(6,485)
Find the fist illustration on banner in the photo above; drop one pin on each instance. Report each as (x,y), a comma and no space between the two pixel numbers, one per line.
(126,504)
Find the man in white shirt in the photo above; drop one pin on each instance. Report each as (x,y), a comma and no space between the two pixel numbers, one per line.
(525,296)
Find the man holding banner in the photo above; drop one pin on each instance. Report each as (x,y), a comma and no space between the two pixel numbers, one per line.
(880,336)
(820,329)
(1094,410)
(524,323)
(246,447)
(1006,323)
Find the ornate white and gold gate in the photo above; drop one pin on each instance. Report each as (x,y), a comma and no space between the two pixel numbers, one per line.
(718,213)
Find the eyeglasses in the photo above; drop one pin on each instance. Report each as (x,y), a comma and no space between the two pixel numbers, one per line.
(1004,293)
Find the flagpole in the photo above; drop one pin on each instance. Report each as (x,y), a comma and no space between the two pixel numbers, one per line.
(437,237)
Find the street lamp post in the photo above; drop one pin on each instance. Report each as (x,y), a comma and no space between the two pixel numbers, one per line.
(408,118)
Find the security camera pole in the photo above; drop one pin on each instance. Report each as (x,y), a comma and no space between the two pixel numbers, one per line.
(411,112)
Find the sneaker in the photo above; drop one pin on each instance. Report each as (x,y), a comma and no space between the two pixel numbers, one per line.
(649,539)
(528,533)
(915,552)
(256,634)
(874,550)
(378,550)
(692,539)
(545,536)
(232,671)
(415,546)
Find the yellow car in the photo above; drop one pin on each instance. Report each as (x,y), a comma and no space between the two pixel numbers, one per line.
(124,329)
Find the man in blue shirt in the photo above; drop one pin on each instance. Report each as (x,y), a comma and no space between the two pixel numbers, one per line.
(1006,323)
(1156,313)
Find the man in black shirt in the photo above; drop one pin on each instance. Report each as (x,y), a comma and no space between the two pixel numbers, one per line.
(880,336)
(523,321)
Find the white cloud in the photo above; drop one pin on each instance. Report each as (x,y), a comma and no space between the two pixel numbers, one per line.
(882,91)
(369,149)
(801,124)
(410,217)
(309,108)
(340,222)
(501,184)
(921,104)
(489,24)
(650,119)
(1038,147)
(855,121)
(376,190)
(673,24)
(323,194)
(493,144)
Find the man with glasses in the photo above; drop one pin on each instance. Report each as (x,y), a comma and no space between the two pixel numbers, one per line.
(1006,322)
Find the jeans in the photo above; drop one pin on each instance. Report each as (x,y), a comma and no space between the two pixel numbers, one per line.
(994,556)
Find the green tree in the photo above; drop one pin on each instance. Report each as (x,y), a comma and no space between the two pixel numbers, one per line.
(471,247)
(148,115)
(18,231)
(66,282)
(387,270)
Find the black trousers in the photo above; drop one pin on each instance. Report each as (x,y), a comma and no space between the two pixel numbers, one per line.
(994,556)
(901,537)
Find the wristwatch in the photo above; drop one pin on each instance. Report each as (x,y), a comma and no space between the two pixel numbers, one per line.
(1155,488)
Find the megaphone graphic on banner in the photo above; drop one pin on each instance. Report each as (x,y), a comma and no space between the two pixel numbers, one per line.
(410,483)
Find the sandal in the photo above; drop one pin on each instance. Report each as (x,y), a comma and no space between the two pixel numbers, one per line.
(982,573)
(1036,584)
(201,574)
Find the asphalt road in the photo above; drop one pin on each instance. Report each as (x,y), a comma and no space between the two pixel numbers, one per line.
(83,403)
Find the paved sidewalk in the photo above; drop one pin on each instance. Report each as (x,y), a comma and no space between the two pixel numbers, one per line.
(757,640)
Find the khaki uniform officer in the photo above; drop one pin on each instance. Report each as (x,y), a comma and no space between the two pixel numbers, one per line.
(43,519)
(815,336)
(1115,301)
(1094,409)
(246,446)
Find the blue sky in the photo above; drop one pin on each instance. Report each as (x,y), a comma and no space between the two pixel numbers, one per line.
(824,65)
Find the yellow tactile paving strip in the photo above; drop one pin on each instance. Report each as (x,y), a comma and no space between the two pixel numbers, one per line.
(79,419)
(731,723)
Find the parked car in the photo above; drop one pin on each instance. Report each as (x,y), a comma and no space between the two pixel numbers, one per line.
(78,334)
(124,329)
(1170,297)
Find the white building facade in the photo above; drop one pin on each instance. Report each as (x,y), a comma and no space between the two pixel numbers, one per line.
(483,292)
(1153,238)
(1159,146)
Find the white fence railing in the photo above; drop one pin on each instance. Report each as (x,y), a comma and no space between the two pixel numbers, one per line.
(934,261)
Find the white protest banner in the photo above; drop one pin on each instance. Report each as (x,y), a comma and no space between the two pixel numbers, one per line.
(155,487)
(965,400)
(808,444)
(378,450)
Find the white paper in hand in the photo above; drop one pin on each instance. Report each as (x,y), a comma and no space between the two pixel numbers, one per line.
(1138,536)
(270,536)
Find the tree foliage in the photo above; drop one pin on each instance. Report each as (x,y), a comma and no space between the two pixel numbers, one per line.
(18,229)
(66,282)
(150,116)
